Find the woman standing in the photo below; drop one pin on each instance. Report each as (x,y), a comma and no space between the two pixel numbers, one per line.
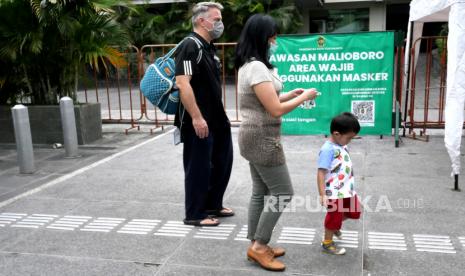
(259,136)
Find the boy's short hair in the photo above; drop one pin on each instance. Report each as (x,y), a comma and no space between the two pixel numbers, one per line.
(344,123)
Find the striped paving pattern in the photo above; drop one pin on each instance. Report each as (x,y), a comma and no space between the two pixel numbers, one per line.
(220,232)
(69,223)
(433,243)
(289,235)
(174,229)
(9,218)
(349,239)
(139,226)
(462,241)
(242,235)
(386,241)
(102,224)
(296,235)
(34,221)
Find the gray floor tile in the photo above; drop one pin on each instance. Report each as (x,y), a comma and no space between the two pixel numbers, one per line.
(134,248)
(38,264)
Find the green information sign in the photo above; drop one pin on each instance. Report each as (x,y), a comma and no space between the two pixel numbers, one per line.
(353,72)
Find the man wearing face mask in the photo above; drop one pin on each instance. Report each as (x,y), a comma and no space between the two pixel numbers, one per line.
(204,126)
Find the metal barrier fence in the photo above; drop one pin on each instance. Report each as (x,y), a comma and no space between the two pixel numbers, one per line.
(118,92)
(425,89)
(422,100)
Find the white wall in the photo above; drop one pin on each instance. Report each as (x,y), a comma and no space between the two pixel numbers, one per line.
(345,1)
(377,11)
(377,17)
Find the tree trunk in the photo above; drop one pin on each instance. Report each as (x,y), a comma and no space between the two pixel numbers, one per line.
(28,82)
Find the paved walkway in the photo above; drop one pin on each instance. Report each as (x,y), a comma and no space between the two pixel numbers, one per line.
(120,213)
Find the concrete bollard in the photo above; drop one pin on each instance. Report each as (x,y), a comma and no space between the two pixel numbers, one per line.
(23,139)
(68,123)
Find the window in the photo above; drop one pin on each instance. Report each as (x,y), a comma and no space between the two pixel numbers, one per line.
(340,21)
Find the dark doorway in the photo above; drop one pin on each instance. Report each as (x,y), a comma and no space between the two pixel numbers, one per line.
(397,17)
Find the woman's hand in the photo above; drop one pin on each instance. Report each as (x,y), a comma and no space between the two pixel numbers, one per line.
(284,97)
(278,106)
(296,92)
(310,94)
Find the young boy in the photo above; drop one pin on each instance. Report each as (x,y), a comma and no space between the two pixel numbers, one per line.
(335,180)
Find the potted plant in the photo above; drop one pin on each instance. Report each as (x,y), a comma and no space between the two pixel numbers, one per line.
(44,46)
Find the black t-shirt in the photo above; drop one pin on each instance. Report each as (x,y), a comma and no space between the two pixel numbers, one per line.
(204,68)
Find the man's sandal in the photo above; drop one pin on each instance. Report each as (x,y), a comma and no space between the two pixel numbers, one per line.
(206,222)
(225,212)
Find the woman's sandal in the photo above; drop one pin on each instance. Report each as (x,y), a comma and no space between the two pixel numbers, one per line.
(224,212)
(206,222)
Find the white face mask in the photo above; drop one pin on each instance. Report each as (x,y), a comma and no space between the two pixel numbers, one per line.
(272,48)
(217,30)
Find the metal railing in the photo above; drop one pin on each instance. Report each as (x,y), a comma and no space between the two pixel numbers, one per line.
(426,91)
(118,92)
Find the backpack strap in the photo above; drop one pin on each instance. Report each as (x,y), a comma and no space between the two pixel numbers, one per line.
(171,52)
(199,46)
(197,42)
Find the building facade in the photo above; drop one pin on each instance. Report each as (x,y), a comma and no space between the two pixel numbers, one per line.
(342,16)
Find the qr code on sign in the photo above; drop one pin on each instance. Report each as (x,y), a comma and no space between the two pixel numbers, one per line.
(364,111)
